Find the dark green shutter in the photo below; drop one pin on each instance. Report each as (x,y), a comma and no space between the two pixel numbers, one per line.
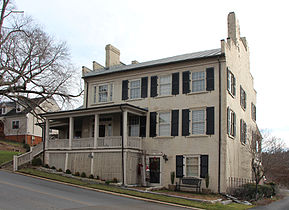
(234,85)
(144,87)
(228,75)
(210,120)
(179,166)
(204,165)
(210,79)
(228,121)
(175,123)
(142,131)
(185,122)
(153,122)
(154,86)
(124,89)
(186,82)
(234,124)
(175,83)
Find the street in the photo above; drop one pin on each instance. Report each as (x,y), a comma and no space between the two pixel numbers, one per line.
(22,192)
(277,205)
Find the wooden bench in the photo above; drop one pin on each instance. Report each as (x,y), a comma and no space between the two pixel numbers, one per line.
(190,182)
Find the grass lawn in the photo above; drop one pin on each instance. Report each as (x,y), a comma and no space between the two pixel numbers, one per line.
(7,156)
(13,143)
(133,193)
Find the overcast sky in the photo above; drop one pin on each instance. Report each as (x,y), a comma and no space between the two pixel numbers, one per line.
(153,29)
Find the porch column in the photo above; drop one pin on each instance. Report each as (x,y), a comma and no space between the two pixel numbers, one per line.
(124,132)
(71,131)
(96,124)
(46,133)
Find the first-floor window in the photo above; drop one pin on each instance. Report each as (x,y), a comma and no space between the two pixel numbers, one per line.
(15,124)
(164,124)
(198,122)
(198,81)
(192,166)
(133,125)
(243,131)
(231,122)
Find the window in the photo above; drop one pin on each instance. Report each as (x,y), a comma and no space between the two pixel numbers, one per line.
(198,122)
(231,122)
(133,125)
(3,110)
(192,166)
(165,85)
(103,93)
(231,83)
(198,81)
(243,98)
(135,87)
(15,124)
(253,111)
(18,108)
(243,131)
(164,124)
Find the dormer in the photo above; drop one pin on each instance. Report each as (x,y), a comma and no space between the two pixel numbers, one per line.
(3,110)
(19,108)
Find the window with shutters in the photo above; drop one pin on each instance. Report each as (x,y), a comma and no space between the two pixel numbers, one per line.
(253,111)
(192,164)
(231,122)
(198,81)
(133,125)
(103,93)
(243,97)
(243,131)
(231,83)
(135,89)
(15,124)
(165,85)
(198,122)
(164,124)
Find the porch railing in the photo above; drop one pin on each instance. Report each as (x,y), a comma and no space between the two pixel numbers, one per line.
(111,141)
(134,142)
(83,143)
(57,143)
(27,157)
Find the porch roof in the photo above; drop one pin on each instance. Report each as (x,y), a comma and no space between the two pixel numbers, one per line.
(99,109)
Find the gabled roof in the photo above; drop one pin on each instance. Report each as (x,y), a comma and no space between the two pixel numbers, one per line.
(174,59)
(33,103)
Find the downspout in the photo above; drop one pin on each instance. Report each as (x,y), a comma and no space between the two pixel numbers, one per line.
(43,140)
(220,122)
(122,147)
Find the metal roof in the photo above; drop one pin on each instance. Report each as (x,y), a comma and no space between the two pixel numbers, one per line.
(178,58)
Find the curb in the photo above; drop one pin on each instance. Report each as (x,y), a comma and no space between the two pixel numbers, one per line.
(109,192)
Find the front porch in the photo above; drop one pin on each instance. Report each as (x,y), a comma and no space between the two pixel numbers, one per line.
(110,127)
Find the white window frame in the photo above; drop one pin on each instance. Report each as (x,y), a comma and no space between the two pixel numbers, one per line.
(196,80)
(185,164)
(96,97)
(130,88)
(130,125)
(17,122)
(165,84)
(230,77)
(191,121)
(231,123)
(159,123)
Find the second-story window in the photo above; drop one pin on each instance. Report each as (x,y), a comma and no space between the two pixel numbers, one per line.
(135,88)
(198,122)
(103,93)
(253,111)
(164,124)
(165,82)
(243,131)
(243,98)
(198,81)
(231,122)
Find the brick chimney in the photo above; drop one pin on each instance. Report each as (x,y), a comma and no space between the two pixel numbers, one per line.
(112,56)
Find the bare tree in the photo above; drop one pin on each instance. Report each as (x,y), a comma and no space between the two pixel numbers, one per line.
(33,64)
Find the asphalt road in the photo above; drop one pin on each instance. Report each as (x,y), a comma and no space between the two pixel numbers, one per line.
(277,205)
(22,192)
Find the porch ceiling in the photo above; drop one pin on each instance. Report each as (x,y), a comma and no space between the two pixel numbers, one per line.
(115,108)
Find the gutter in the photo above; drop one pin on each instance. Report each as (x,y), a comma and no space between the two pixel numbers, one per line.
(220,122)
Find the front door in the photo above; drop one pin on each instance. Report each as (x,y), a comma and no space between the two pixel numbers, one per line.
(154,170)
